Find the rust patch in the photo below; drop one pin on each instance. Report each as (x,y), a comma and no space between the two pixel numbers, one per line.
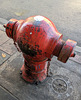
(26,49)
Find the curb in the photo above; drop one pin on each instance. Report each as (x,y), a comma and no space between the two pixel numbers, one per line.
(78,49)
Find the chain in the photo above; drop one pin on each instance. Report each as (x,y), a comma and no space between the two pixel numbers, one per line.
(16,45)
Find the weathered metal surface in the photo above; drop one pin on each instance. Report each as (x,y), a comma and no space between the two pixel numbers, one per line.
(34,73)
(38,40)
(67,50)
(9,27)
(60,87)
(3,56)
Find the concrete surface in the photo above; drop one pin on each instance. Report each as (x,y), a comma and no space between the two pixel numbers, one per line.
(5,95)
(64,82)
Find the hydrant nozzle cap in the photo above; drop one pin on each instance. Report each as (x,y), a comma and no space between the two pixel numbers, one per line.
(67,50)
(9,27)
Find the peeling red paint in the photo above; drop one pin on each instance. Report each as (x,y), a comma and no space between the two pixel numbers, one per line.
(38,40)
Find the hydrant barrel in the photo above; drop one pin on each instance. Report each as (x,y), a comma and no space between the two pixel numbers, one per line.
(38,40)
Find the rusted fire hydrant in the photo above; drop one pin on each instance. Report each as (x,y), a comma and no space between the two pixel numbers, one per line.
(38,39)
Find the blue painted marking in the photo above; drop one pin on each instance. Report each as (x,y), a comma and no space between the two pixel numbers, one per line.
(39,66)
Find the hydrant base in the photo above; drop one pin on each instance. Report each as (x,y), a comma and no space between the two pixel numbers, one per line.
(33,77)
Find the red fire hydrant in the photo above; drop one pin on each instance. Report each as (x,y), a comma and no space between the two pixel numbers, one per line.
(38,39)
